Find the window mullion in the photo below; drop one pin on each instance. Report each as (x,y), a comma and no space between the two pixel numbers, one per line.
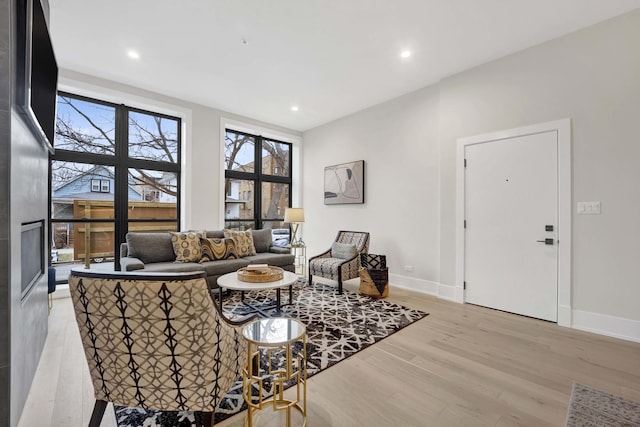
(121,194)
(79,157)
(240,175)
(257,214)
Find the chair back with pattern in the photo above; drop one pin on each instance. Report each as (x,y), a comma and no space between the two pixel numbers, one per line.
(155,342)
(358,238)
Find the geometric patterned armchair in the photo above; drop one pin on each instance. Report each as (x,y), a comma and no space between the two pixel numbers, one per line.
(155,342)
(342,261)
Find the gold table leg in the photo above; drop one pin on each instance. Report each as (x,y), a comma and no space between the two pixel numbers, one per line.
(252,375)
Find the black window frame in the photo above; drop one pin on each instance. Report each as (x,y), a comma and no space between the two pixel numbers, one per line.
(121,162)
(258,179)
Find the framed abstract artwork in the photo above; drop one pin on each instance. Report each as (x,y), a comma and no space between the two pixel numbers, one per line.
(344,183)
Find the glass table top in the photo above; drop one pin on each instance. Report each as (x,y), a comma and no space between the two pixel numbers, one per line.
(273,331)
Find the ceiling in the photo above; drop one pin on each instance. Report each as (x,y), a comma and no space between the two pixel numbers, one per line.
(330,58)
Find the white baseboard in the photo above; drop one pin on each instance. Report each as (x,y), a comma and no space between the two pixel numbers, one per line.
(450,293)
(411,283)
(612,326)
(422,286)
(604,324)
(564,316)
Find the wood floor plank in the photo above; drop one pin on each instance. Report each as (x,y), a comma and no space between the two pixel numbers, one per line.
(67,410)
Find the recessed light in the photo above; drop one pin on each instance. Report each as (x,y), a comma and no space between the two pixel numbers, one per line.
(294,108)
(405,54)
(133,54)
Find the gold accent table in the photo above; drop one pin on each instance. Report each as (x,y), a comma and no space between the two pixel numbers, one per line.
(275,334)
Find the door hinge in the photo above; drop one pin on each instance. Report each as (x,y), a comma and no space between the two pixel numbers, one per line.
(465,223)
(465,163)
(464,286)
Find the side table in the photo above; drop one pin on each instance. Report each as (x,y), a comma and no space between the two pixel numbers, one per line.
(231,281)
(299,252)
(275,334)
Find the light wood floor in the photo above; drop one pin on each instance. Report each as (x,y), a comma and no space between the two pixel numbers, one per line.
(461,366)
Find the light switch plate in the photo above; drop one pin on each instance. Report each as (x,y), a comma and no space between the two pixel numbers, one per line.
(588,208)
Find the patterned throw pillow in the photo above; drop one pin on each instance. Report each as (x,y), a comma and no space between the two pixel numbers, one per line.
(215,249)
(186,245)
(243,241)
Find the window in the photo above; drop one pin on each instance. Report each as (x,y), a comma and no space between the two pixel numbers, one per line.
(100,186)
(257,181)
(115,169)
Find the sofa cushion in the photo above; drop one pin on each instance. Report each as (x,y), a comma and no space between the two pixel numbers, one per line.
(271,259)
(261,239)
(131,264)
(215,268)
(186,245)
(243,241)
(217,249)
(343,250)
(150,247)
(172,267)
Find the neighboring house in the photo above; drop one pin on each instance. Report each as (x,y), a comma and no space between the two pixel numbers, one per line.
(236,200)
(95,184)
(153,192)
(168,180)
(239,200)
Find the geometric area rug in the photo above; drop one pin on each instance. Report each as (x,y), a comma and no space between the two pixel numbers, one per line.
(338,326)
(591,407)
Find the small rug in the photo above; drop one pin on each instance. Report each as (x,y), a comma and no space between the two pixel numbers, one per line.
(338,326)
(591,407)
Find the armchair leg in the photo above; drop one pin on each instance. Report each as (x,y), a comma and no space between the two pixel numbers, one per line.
(340,285)
(98,412)
(207,419)
(310,279)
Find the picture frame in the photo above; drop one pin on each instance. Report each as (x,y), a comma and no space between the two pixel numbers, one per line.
(344,183)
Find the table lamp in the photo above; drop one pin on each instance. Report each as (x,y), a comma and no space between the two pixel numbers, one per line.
(294,216)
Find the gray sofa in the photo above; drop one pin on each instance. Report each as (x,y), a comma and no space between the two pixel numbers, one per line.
(153,252)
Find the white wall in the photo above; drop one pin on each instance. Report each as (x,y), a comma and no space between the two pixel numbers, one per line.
(398,142)
(591,76)
(202,187)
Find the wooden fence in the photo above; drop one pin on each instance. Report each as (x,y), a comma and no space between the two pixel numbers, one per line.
(96,240)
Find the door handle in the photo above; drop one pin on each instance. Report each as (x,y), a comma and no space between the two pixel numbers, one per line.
(546,241)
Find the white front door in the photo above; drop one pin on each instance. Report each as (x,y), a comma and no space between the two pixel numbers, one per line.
(511,196)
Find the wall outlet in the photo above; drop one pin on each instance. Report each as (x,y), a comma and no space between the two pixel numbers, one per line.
(408,268)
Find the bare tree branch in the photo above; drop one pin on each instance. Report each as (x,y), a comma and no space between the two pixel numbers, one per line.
(146,142)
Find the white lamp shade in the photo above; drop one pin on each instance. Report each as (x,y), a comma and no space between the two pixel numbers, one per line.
(293,215)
